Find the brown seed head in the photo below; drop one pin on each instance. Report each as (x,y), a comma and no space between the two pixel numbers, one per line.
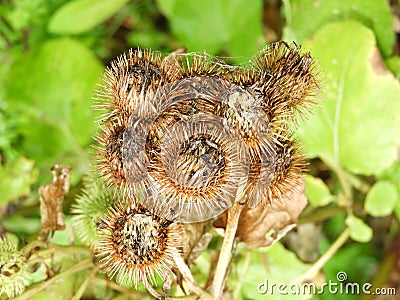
(134,245)
(188,132)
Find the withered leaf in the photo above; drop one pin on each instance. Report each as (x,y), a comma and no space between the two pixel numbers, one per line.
(197,240)
(276,219)
(51,199)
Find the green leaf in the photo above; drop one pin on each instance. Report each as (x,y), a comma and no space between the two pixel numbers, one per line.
(212,24)
(166,6)
(16,179)
(306,17)
(49,94)
(358,260)
(397,210)
(80,16)
(317,192)
(256,279)
(357,124)
(20,224)
(393,64)
(381,199)
(359,231)
(392,174)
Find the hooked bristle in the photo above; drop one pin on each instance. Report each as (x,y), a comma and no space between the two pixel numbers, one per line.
(140,71)
(109,154)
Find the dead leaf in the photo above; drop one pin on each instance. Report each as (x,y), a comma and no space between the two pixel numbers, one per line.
(197,240)
(51,199)
(265,224)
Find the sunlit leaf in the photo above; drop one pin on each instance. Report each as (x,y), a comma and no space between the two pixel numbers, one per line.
(211,25)
(317,192)
(359,231)
(266,267)
(393,64)
(306,17)
(79,16)
(49,92)
(357,124)
(381,199)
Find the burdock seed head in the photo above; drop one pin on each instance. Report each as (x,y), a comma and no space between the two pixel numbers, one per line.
(125,83)
(187,134)
(134,245)
(288,79)
(129,76)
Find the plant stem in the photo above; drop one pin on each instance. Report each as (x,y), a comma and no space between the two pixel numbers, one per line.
(226,250)
(317,266)
(58,250)
(320,214)
(191,282)
(243,270)
(116,287)
(85,284)
(84,264)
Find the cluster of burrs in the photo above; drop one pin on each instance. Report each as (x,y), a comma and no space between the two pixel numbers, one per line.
(184,137)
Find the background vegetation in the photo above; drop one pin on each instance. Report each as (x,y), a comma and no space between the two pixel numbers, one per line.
(54,51)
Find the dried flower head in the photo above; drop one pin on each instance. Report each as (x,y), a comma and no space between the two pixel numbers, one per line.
(125,82)
(14,269)
(187,135)
(188,148)
(134,245)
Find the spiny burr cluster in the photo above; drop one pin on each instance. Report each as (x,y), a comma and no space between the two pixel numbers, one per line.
(182,137)
(186,134)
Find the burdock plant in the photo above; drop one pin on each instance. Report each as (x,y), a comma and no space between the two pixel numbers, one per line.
(187,138)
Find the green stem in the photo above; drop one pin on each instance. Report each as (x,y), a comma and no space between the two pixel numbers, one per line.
(35,289)
(318,265)
(243,270)
(85,284)
(343,180)
(58,250)
(320,214)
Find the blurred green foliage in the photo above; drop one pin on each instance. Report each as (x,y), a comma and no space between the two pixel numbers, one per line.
(52,53)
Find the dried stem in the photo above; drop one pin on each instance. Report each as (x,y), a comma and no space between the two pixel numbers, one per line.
(225,256)
(191,282)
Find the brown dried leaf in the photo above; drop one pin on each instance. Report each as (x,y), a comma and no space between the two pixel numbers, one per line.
(51,198)
(255,224)
(197,240)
